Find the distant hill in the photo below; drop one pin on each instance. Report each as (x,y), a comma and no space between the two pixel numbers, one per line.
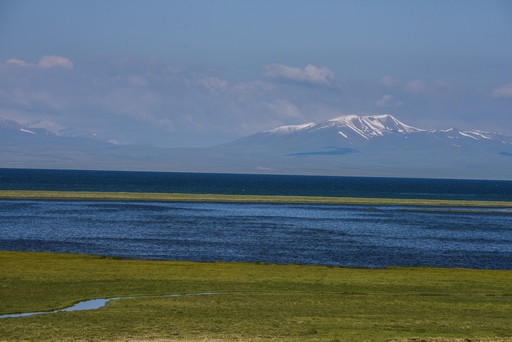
(349,145)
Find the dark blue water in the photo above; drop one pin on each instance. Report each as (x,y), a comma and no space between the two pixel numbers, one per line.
(343,235)
(357,236)
(28,179)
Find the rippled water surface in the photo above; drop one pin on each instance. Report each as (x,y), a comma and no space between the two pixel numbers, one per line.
(345,235)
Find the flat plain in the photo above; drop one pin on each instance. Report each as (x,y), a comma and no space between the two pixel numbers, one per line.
(248,302)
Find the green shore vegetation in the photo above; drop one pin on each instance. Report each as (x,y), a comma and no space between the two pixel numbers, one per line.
(248,302)
(141,196)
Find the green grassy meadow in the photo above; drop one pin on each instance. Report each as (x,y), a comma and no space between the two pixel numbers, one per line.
(251,302)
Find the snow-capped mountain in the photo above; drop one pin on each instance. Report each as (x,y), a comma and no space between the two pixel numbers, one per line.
(354,128)
(344,131)
(283,130)
(365,126)
(379,145)
(359,132)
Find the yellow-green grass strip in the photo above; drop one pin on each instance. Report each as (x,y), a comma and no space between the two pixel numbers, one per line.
(179,197)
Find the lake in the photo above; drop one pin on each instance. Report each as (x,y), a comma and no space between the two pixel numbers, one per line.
(336,235)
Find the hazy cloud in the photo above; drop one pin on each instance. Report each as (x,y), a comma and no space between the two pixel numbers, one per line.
(19,97)
(442,84)
(37,99)
(389,81)
(18,62)
(416,86)
(503,92)
(45,62)
(130,101)
(137,80)
(388,100)
(154,101)
(310,74)
(253,86)
(214,84)
(285,109)
(55,61)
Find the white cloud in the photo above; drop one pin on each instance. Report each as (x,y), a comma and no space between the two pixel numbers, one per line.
(55,61)
(503,92)
(388,100)
(310,74)
(389,81)
(416,86)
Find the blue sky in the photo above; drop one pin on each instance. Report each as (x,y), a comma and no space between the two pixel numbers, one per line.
(199,73)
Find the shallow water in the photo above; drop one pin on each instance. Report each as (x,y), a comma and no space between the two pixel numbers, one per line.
(85,305)
(95,304)
(342,235)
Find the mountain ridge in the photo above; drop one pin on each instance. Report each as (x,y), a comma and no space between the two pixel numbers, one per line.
(378,145)
(352,131)
(375,125)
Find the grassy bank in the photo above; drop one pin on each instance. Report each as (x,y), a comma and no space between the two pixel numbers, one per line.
(253,301)
(136,196)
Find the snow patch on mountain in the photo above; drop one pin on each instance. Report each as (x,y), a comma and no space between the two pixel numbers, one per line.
(283,130)
(468,135)
(483,135)
(367,126)
(27,131)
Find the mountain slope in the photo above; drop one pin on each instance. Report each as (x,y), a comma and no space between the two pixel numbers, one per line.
(348,145)
(381,145)
(382,133)
(61,131)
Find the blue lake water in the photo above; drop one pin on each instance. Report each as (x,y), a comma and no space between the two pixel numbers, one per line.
(211,183)
(350,235)
(342,235)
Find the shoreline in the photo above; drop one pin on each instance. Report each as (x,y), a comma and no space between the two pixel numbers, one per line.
(122,258)
(183,197)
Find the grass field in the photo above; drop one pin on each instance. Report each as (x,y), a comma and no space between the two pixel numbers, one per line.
(252,302)
(139,196)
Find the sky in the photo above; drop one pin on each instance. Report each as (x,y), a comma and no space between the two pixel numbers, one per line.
(201,73)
